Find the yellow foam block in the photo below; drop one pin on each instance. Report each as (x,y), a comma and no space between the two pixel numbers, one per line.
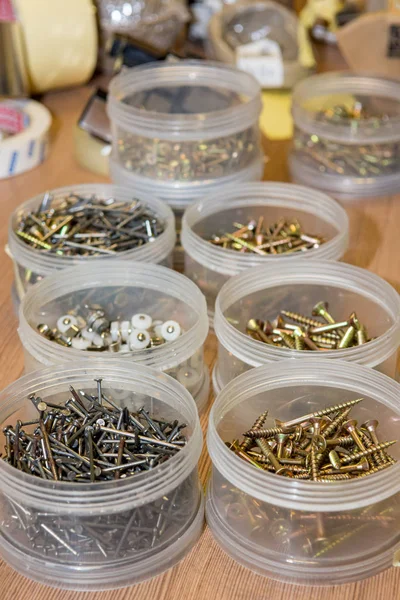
(276,120)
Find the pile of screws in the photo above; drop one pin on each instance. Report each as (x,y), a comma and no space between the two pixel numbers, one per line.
(300,332)
(323,446)
(188,161)
(283,237)
(303,534)
(88,226)
(90,439)
(365,160)
(89,328)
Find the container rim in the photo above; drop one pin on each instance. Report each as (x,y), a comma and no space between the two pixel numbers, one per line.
(184,126)
(297,494)
(113,496)
(283,195)
(312,272)
(45,264)
(330,84)
(115,273)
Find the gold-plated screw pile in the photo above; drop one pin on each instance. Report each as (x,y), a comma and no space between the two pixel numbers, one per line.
(286,236)
(300,332)
(323,446)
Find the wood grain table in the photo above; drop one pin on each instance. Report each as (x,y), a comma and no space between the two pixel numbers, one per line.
(207,572)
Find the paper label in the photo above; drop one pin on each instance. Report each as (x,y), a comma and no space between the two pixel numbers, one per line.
(7,12)
(263,59)
(396,559)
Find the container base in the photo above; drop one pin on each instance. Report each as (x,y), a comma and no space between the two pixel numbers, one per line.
(280,568)
(343,187)
(103,578)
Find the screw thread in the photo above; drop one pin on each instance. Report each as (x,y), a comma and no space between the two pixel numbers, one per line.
(377,469)
(335,423)
(297,318)
(247,443)
(254,433)
(336,407)
(334,477)
(339,540)
(372,450)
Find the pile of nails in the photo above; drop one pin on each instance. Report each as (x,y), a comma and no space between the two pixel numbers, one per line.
(286,236)
(300,332)
(88,226)
(91,329)
(89,439)
(324,446)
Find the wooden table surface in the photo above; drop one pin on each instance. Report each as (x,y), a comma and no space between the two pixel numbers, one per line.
(207,572)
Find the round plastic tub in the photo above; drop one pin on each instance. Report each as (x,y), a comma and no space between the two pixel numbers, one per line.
(347,157)
(31,265)
(122,289)
(210,266)
(184,121)
(304,532)
(171,490)
(297,286)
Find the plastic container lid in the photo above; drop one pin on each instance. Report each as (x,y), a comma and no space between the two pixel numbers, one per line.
(223,101)
(321,92)
(179,194)
(281,199)
(45,264)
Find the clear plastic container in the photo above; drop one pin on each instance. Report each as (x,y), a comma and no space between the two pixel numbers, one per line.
(304,532)
(31,265)
(122,289)
(167,498)
(184,121)
(242,23)
(210,266)
(344,155)
(297,286)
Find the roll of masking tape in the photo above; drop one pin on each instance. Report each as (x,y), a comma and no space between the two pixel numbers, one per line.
(24,133)
(60,40)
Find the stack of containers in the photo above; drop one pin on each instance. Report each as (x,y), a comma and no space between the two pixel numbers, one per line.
(184,129)
(347,135)
(36,510)
(31,264)
(303,532)
(210,266)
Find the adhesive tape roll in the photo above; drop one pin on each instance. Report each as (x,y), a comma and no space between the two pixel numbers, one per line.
(27,148)
(61,41)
